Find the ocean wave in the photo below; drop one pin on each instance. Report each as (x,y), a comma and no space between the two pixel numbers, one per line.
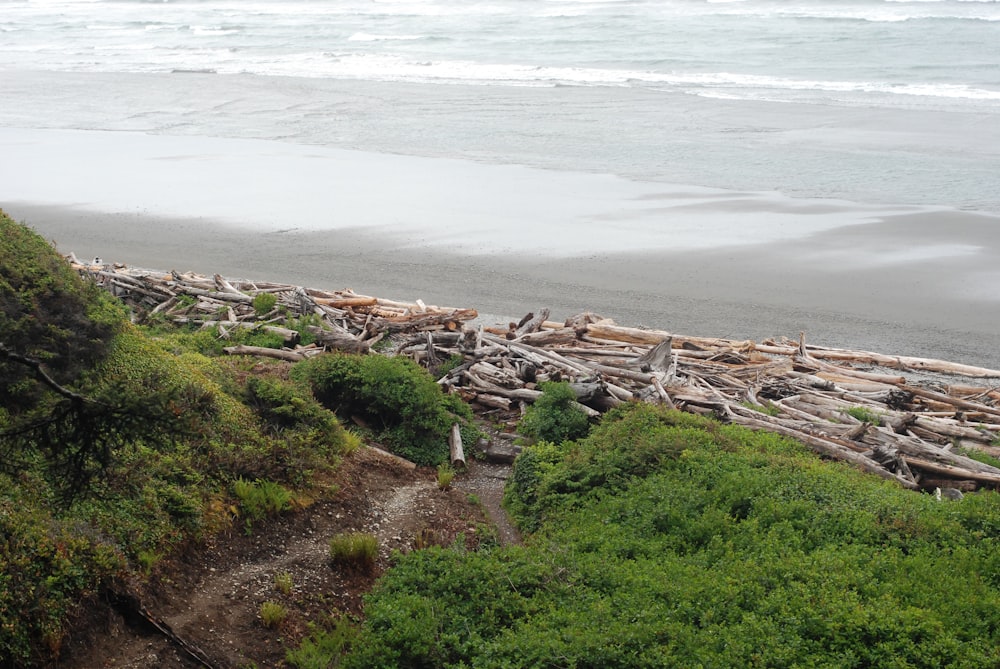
(395,68)
(214,31)
(368,37)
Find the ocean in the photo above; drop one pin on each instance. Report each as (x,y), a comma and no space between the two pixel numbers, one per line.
(890,102)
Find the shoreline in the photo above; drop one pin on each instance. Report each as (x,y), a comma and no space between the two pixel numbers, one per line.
(508,239)
(823,285)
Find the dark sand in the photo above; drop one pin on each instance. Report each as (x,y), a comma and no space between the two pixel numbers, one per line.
(924,284)
(507,239)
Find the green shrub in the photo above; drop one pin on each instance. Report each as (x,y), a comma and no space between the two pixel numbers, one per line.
(48,313)
(263,303)
(710,546)
(302,325)
(864,414)
(554,416)
(272,614)
(260,499)
(980,456)
(396,397)
(48,572)
(630,441)
(323,648)
(354,550)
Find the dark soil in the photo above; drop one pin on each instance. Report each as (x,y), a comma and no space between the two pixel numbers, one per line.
(211,597)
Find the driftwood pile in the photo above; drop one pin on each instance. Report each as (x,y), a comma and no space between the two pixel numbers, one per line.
(911,420)
(341,320)
(843,404)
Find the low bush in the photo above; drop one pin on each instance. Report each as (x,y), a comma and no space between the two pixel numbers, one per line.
(608,459)
(324,646)
(396,397)
(260,499)
(554,416)
(697,544)
(263,303)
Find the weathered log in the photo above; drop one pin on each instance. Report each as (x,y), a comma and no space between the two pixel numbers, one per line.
(340,340)
(214,294)
(455,447)
(392,457)
(532,324)
(346,302)
(827,448)
(263,352)
(657,359)
(492,401)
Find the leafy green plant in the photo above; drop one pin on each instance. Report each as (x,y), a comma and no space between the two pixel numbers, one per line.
(302,325)
(354,550)
(323,647)
(445,474)
(864,414)
(147,560)
(396,397)
(283,582)
(272,614)
(427,537)
(261,498)
(980,456)
(767,408)
(672,540)
(453,361)
(554,416)
(263,303)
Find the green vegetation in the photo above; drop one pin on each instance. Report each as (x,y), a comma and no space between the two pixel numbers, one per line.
(323,647)
(865,415)
(263,303)
(272,614)
(554,416)
(767,408)
(668,540)
(396,397)
(260,499)
(207,341)
(118,448)
(283,582)
(445,475)
(354,550)
(653,538)
(976,454)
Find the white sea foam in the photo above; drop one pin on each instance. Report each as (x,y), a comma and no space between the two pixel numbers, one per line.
(368,37)
(862,53)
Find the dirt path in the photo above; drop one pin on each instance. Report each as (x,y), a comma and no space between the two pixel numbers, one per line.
(486,481)
(212,597)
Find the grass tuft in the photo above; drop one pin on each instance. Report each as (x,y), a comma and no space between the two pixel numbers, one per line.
(355,550)
(272,614)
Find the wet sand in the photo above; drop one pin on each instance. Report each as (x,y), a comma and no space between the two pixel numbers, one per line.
(906,281)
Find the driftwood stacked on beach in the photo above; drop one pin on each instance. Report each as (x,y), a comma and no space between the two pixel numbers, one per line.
(342,320)
(910,426)
(907,419)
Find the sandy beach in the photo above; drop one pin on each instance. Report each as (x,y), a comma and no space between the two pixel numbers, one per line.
(508,239)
